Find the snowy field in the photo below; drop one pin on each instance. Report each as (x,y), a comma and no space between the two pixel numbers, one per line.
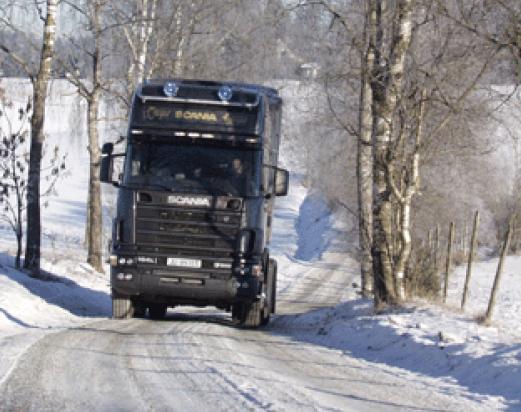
(442,356)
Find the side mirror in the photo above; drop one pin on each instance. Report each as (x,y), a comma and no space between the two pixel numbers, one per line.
(107,149)
(106,168)
(281,182)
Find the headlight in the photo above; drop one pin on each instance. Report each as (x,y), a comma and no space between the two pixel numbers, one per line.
(126,261)
(256,270)
(222,265)
(147,259)
(170,89)
(233,204)
(225,93)
(246,239)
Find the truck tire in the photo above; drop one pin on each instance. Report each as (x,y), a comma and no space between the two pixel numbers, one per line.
(247,315)
(140,309)
(122,306)
(273,267)
(267,289)
(157,311)
(265,317)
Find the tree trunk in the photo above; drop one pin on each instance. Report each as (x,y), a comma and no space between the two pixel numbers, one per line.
(382,245)
(87,224)
(19,229)
(436,246)
(94,257)
(179,54)
(18,246)
(94,209)
(497,280)
(184,30)
(382,213)
(138,39)
(143,42)
(448,262)
(365,161)
(387,91)
(473,242)
(148,16)
(33,241)
(411,187)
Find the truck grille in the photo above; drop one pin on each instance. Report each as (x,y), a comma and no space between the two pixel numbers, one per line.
(186,231)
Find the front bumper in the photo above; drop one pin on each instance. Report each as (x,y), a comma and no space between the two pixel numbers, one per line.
(178,287)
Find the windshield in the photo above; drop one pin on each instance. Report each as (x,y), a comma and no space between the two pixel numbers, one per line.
(193,168)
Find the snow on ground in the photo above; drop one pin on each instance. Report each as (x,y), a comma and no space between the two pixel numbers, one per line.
(31,308)
(441,342)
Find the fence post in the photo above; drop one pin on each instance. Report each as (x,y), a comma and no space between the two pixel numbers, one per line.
(436,246)
(492,301)
(448,262)
(473,242)
(464,239)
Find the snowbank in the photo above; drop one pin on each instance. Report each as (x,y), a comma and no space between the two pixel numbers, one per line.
(431,340)
(31,308)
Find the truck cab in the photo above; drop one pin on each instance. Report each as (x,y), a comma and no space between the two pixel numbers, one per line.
(195,200)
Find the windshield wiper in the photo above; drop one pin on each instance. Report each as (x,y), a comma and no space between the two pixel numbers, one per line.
(159,185)
(134,186)
(212,191)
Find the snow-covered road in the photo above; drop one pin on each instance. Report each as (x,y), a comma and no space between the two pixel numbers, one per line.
(197,360)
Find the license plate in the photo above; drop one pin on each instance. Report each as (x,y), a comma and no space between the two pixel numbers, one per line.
(184,263)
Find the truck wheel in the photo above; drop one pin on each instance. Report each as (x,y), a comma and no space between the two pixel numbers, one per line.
(247,315)
(266,309)
(270,291)
(157,311)
(273,268)
(122,306)
(265,318)
(140,309)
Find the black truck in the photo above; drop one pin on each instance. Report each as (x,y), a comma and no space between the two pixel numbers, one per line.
(195,200)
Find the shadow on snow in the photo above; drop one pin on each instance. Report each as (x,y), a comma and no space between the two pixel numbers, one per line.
(58,291)
(364,337)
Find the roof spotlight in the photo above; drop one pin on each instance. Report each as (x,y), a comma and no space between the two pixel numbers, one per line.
(225,93)
(170,89)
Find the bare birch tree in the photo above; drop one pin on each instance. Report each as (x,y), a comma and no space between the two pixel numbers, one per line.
(338,88)
(94,256)
(91,90)
(33,241)
(137,21)
(157,34)
(365,152)
(410,185)
(387,90)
